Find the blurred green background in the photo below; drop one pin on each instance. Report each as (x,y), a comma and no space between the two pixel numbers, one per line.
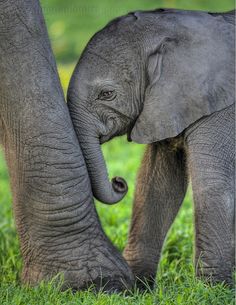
(71,24)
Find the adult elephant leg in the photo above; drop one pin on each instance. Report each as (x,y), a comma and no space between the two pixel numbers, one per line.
(211,162)
(56,220)
(160,190)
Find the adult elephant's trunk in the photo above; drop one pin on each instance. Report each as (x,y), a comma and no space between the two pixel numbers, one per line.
(103,190)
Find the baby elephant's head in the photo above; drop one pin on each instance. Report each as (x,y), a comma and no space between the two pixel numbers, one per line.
(143,75)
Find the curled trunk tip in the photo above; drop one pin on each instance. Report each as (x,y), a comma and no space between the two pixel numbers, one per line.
(119,185)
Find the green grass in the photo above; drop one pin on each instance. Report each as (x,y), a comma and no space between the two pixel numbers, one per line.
(71,24)
(176,283)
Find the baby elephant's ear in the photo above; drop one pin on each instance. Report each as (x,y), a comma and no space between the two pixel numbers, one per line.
(177,93)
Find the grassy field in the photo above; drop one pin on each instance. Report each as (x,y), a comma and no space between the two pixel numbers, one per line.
(70,26)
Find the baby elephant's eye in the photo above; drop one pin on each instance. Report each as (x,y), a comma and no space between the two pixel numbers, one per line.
(107,95)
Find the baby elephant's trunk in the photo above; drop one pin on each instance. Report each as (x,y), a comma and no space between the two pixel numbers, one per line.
(103,190)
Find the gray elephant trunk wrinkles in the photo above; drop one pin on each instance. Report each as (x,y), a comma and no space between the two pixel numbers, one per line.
(90,145)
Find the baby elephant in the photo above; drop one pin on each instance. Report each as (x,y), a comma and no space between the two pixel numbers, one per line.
(166,78)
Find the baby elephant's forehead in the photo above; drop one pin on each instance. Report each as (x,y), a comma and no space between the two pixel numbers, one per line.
(95,64)
(94,70)
(108,62)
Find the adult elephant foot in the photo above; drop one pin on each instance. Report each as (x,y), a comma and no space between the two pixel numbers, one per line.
(99,266)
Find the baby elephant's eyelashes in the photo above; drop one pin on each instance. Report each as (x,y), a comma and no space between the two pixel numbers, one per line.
(107,95)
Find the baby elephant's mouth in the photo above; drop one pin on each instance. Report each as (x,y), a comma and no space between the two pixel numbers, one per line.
(115,133)
(105,138)
(108,137)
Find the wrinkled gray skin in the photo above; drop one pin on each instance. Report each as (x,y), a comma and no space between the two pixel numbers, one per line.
(56,220)
(166,78)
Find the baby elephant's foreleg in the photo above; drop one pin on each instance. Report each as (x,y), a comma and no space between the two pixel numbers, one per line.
(160,190)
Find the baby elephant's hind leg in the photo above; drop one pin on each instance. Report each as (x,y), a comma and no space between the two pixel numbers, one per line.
(160,190)
(211,158)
